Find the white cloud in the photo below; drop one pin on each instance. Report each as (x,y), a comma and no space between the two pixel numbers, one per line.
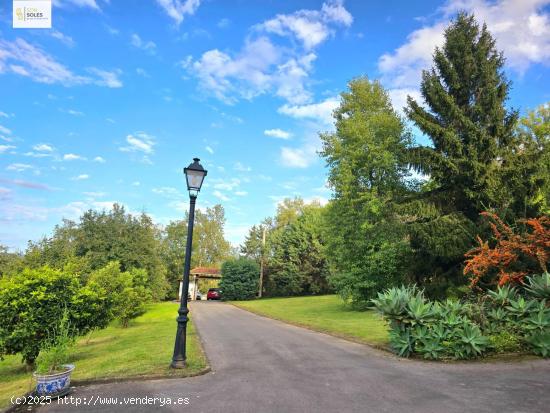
(92,4)
(25,59)
(321,200)
(298,157)
(148,46)
(521,30)
(5,148)
(19,167)
(136,183)
(277,133)
(241,168)
(178,9)
(43,147)
(5,130)
(209,150)
(169,192)
(139,142)
(80,177)
(67,40)
(225,185)
(241,193)
(311,27)
(72,112)
(142,72)
(398,97)
(95,194)
(221,196)
(73,157)
(99,159)
(5,115)
(107,78)
(223,23)
(34,63)
(262,66)
(321,111)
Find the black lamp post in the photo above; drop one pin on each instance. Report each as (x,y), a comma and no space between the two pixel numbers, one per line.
(194,175)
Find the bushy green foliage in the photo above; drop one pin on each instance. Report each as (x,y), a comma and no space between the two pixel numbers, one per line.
(239,279)
(127,291)
(32,304)
(294,255)
(298,263)
(502,321)
(366,157)
(505,342)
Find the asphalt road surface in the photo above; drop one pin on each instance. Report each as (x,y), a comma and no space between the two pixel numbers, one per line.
(262,365)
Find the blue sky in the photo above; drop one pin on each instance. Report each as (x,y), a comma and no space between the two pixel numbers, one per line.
(112,102)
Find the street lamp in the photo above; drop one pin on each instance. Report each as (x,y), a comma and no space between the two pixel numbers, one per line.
(194,174)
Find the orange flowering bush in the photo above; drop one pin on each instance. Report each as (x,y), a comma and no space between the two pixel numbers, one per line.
(513,255)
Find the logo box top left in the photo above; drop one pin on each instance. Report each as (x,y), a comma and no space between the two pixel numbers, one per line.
(32,14)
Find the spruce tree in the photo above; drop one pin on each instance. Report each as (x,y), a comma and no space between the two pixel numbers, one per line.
(466,120)
(471,133)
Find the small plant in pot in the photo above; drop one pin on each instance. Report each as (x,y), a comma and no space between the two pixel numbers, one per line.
(53,372)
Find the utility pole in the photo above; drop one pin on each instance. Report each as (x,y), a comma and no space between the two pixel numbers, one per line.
(262,263)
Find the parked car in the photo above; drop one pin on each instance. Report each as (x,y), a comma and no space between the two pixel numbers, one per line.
(214,294)
(199,296)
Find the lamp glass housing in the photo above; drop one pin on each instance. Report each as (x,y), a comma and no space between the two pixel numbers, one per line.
(194,174)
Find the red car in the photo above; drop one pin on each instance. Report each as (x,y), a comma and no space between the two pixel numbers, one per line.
(214,294)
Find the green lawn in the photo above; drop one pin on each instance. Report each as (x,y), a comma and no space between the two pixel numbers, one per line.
(326,313)
(143,349)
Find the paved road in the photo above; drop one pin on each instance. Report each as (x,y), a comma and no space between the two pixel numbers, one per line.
(262,365)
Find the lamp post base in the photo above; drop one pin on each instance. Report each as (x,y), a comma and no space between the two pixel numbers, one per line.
(178,364)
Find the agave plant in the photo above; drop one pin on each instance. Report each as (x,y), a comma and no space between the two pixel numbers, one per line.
(540,343)
(419,310)
(539,286)
(520,307)
(401,341)
(539,320)
(497,315)
(503,295)
(392,303)
(440,332)
(472,342)
(432,349)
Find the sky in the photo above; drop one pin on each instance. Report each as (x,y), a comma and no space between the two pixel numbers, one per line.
(118,96)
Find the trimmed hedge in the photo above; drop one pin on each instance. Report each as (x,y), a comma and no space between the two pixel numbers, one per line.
(239,279)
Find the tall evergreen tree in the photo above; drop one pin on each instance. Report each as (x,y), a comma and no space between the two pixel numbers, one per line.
(471,132)
(466,120)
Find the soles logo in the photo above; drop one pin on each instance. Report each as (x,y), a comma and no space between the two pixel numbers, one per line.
(32,14)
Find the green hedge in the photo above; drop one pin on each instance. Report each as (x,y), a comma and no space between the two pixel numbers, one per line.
(239,279)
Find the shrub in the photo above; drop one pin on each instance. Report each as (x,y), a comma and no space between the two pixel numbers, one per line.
(32,304)
(239,279)
(513,256)
(127,292)
(505,342)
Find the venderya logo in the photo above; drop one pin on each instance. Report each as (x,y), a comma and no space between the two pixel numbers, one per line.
(35,14)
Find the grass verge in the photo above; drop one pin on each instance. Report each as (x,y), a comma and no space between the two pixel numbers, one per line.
(143,349)
(325,313)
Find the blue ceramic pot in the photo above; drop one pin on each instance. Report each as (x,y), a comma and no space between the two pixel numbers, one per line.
(54,384)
